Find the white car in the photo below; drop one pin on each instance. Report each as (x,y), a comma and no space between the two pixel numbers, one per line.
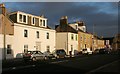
(87,51)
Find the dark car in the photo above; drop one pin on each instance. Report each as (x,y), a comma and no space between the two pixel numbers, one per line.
(96,51)
(104,51)
(59,53)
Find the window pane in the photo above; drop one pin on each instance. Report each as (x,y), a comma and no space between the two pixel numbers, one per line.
(37,34)
(25,48)
(40,22)
(43,22)
(47,35)
(20,18)
(25,33)
(71,36)
(33,20)
(9,50)
(24,18)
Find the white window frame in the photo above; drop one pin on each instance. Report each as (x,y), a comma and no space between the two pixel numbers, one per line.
(33,18)
(24,33)
(44,23)
(25,48)
(72,36)
(47,35)
(25,20)
(40,22)
(9,49)
(22,20)
(37,34)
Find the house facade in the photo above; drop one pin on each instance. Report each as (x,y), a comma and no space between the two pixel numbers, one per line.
(84,40)
(66,37)
(101,44)
(28,32)
(116,43)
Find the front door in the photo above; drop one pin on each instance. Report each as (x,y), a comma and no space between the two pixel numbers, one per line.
(38,46)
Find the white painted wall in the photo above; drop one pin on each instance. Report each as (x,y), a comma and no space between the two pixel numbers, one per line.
(61,40)
(9,40)
(1,46)
(62,43)
(17,41)
(73,42)
(20,40)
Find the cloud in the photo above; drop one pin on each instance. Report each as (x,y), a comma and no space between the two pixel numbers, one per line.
(103,14)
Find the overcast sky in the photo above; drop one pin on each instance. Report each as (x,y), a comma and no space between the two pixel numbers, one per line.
(103,14)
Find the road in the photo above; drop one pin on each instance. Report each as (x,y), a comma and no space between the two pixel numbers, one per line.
(83,64)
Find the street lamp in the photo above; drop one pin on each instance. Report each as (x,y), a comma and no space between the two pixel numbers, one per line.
(93,37)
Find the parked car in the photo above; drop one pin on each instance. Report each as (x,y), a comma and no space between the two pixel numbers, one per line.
(19,55)
(104,51)
(87,51)
(96,51)
(49,55)
(34,55)
(59,53)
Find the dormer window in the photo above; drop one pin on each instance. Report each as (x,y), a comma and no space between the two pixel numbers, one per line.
(76,26)
(40,22)
(43,22)
(20,17)
(33,20)
(24,18)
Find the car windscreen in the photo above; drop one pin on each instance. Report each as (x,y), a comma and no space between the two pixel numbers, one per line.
(60,51)
(84,49)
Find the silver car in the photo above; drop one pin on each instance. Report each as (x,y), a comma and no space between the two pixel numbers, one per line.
(34,55)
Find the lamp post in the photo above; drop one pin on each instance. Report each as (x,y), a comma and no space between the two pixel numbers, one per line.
(93,39)
(4,30)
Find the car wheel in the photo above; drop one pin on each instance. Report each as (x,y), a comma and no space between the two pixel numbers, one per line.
(45,58)
(34,59)
(57,57)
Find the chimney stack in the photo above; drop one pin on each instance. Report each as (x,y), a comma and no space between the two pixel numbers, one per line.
(3,9)
(64,20)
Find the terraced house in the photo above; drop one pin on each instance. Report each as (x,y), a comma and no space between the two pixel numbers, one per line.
(21,32)
(66,36)
(77,32)
(26,32)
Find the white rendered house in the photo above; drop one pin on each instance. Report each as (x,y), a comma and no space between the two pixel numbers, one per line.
(30,32)
(66,36)
(67,41)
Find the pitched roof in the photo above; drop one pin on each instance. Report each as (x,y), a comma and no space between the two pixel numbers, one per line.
(65,28)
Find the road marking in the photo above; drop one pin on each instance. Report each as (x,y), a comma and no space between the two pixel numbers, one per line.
(55,62)
(94,70)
